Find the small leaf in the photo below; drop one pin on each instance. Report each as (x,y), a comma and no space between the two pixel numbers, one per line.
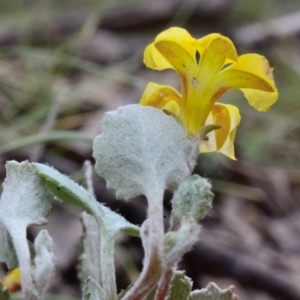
(23,200)
(92,290)
(64,188)
(68,191)
(7,250)
(109,222)
(142,148)
(177,243)
(89,265)
(193,197)
(180,287)
(213,292)
(23,203)
(43,261)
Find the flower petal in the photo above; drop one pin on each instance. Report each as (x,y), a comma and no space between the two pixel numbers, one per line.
(221,140)
(178,57)
(13,280)
(260,100)
(157,58)
(161,97)
(215,50)
(219,45)
(252,72)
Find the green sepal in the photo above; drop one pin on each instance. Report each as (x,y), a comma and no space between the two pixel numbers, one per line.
(204,131)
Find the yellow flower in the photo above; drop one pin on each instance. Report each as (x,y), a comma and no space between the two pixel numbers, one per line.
(207,67)
(12,280)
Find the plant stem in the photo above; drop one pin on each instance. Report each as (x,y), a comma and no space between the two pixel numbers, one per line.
(28,288)
(108,268)
(164,286)
(153,264)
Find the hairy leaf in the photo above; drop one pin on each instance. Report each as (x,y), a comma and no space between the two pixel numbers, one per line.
(177,243)
(180,287)
(69,191)
(43,261)
(109,222)
(23,203)
(92,290)
(213,292)
(193,197)
(89,263)
(142,148)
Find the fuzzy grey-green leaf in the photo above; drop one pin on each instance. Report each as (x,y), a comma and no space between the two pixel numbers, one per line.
(23,200)
(109,222)
(180,287)
(92,290)
(177,243)
(141,148)
(69,191)
(64,188)
(43,261)
(89,262)
(7,250)
(193,197)
(213,292)
(23,203)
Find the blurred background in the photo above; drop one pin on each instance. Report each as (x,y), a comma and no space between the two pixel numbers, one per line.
(63,64)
